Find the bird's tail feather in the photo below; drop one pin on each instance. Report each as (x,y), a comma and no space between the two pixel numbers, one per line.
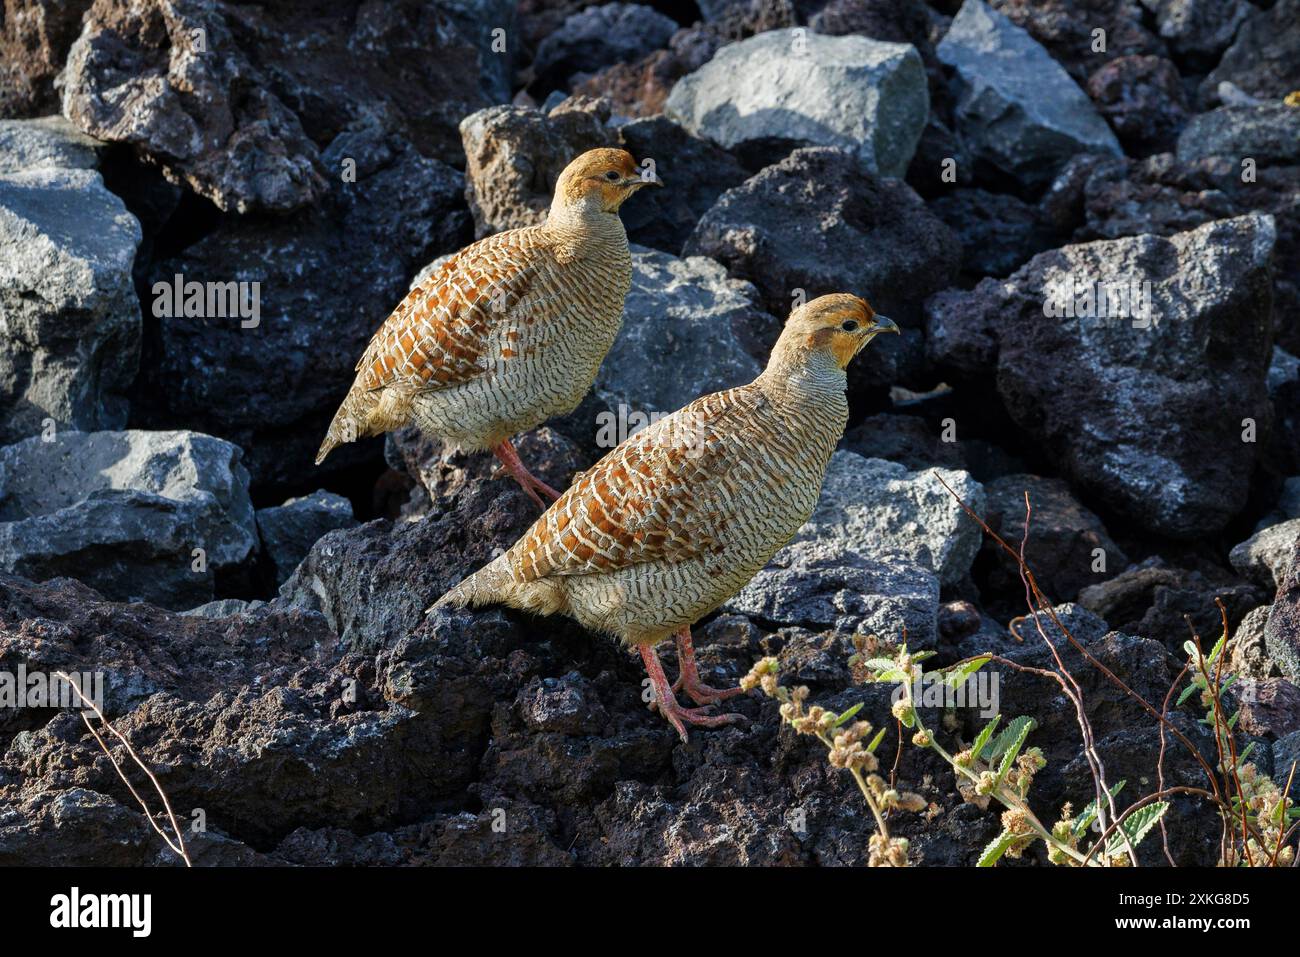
(481,588)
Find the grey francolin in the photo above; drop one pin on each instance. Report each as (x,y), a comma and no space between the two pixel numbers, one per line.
(681,515)
(509,331)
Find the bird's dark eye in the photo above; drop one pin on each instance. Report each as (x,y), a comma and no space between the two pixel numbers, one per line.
(849,325)
(612,176)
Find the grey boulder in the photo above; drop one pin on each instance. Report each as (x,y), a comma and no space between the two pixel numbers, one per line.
(126,513)
(289,531)
(1017,108)
(800,88)
(1266,555)
(824,584)
(880,508)
(69,315)
(1138,363)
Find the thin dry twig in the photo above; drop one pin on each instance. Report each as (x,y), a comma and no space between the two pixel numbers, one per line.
(177,846)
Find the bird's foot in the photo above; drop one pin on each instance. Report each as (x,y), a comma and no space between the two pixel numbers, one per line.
(679,716)
(530,483)
(701,693)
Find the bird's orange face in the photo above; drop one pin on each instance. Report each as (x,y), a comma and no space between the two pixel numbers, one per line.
(840,324)
(606,177)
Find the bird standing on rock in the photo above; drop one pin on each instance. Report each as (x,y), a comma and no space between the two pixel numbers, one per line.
(509,331)
(681,515)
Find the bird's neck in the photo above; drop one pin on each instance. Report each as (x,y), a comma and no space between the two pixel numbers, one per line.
(809,389)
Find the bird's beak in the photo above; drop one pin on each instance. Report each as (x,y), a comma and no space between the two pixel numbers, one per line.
(638,181)
(885,324)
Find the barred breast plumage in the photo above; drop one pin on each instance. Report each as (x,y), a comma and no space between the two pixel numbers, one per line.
(678,518)
(508,332)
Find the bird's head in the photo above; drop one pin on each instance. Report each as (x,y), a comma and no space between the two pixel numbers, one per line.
(836,326)
(602,180)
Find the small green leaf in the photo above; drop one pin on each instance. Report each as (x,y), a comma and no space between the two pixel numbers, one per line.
(875,742)
(1007,737)
(1137,826)
(997,847)
(1089,814)
(984,736)
(955,677)
(1013,749)
(880,664)
(1187,693)
(847,715)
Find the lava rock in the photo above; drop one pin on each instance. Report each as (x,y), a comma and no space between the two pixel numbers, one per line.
(906,439)
(125,511)
(1199,355)
(998,232)
(1062,545)
(597,37)
(780,90)
(1248,653)
(880,509)
(514,155)
(676,311)
(291,367)
(1067,29)
(1143,100)
(289,531)
(1282,633)
(209,119)
(820,584)
(1018,110)
(1266,555)
(47,141)
(641,88)
(695,173)
(815,222)
(34,41)
(1198,30)
(1261,60)
(70,312)
(1268,133)
(1157,600)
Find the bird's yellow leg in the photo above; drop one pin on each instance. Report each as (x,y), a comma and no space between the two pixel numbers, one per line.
(688,678)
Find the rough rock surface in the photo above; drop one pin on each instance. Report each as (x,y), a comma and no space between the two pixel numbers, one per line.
(1199,357)
(1018,109)
(998,232)
(68,309)
(817,223)
(173,82)
(784,89)
(34,39)
(881,509)
(676,311)
(1266,555)
(1142,98)
(1067,29)
(237,101)
(125,511)
(1268,133)
(1198,30)
(596,37)
(289,531)
(1261,60)
(291,368)
(695,173)
(1282,633)
(514,155)
(1063,542)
